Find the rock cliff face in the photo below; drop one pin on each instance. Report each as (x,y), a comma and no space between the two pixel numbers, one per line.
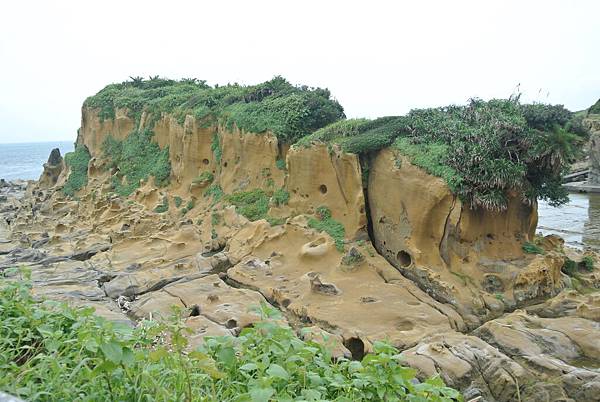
(446,247)
(414,265)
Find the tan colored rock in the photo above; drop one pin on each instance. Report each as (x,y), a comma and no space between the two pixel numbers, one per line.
(318,176)
(52,170)
(471,365)
(334,343)
(564,351)
(364,309)
(462,256)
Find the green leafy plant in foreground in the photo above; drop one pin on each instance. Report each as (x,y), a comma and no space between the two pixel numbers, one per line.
(50,351)
(77,161)
(325,223)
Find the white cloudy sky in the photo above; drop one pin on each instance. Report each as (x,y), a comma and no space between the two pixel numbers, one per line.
(377,57)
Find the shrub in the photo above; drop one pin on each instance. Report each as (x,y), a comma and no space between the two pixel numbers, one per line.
(587,263)
(569,267)
(280,163)
(281,197)
(136,158)
(216,192)
(290,112)
(205,176)
(595,108)
(51,351)
(215,146)
(178,201)
(483,150)
(325,223)
(78,161)
(253,204)
(188,207)
(164,207)
(532,248)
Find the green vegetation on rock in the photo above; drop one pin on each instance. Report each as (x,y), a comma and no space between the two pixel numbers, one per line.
(484,150)
(216,192)
(178,201)
(253,204)
(215,147)
(280,197)
(51,351)
(595,108)
(136,158)
(204,177)
(587,262)
(532,248)
(164,207)
(325,223)
(77,161)
(290,112)
(569,267)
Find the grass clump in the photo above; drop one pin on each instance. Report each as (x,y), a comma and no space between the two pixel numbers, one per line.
(188,207)
(289,111)
(77,161)
(253,204)
(51,351)
(164,207)
(569,267)
(204,177)
(325,223)
(136,158)
(532,248)
(280,163)
(215,147)
(483,150)
(587,263)
(178,201)
(216,192)
(280,197)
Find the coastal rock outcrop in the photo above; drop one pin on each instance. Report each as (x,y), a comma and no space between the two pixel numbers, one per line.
(353,249)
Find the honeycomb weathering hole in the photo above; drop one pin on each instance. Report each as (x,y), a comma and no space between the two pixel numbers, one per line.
(356,347)
(404,258)
(205,161)
(323,189)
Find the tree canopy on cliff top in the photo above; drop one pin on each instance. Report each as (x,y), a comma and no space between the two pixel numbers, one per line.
(289,111)
(483,150)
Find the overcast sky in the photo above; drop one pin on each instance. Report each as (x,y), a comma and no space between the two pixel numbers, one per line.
(377,58)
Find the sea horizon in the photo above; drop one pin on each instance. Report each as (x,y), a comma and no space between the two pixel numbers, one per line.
(25,160)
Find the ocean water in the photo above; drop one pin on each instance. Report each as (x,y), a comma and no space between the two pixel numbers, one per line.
(578,222)
(26,160)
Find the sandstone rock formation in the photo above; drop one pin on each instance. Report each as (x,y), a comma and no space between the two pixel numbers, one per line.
(418,268)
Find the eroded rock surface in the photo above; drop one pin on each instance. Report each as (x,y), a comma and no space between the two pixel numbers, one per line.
(437,282)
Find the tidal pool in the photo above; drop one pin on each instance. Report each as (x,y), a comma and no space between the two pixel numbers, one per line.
(578,222)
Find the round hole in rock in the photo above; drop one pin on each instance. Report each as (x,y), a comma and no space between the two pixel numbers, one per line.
(205,161)
(225,164)
(195,311)
(404,258)
(356,347)
(323,189)
(231,323)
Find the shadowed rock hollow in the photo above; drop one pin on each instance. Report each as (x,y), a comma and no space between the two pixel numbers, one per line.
(363,246)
